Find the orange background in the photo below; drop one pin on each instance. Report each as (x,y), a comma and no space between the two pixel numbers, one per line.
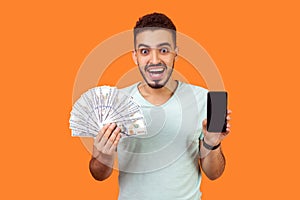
(255,45)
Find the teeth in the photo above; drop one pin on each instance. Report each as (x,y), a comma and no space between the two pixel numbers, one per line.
(156,70)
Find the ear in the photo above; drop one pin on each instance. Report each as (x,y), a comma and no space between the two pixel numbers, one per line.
(176,51)
(134,57)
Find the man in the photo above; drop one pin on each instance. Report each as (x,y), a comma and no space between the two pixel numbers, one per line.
(165,163)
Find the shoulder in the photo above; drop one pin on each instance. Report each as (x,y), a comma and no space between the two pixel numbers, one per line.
(197,90)
(130,89)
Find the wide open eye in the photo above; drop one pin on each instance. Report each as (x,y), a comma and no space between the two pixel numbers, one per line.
(164,50)
(144,51)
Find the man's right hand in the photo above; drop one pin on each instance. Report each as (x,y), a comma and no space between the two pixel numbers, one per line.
(105,144)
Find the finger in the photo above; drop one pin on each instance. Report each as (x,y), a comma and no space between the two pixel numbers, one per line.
(227,131)
(228,118)
(229,112)
(204,124)
(116,142)
(112,137)
(228,125)
(107,134)
(101,133)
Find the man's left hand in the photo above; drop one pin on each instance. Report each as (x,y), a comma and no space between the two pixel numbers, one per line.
(213,138)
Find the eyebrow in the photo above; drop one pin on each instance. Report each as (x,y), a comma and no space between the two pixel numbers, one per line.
(159,45)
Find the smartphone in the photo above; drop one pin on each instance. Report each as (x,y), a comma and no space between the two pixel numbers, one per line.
(216,111)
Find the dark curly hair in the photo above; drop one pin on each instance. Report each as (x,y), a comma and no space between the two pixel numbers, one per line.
(154,21)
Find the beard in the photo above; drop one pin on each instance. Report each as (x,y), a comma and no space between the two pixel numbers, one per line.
(157,83)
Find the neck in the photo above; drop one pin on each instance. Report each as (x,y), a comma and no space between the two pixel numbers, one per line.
(167,90)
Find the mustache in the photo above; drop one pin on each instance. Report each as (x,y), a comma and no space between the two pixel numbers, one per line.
(155,65)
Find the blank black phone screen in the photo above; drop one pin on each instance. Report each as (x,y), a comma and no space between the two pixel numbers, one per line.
(216,111)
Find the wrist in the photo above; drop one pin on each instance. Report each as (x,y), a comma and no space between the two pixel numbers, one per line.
(210,147)
(103,158)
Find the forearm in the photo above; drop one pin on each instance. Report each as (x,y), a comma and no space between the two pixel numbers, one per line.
(212,162)
(104,151)
(99,170)
(101,165)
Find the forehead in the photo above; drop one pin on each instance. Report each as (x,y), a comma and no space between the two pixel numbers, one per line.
(154,38)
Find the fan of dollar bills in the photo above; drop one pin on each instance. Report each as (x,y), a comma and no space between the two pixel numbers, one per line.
(101,105)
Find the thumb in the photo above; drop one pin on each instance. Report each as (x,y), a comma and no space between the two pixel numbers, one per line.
(204,124)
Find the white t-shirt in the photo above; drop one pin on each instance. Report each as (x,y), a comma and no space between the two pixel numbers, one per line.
(163,165)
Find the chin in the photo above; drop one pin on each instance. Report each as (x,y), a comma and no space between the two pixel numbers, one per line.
(156,86)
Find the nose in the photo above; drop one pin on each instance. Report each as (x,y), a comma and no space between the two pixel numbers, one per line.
(154,57)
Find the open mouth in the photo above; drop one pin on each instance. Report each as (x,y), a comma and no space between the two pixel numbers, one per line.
(156,73)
